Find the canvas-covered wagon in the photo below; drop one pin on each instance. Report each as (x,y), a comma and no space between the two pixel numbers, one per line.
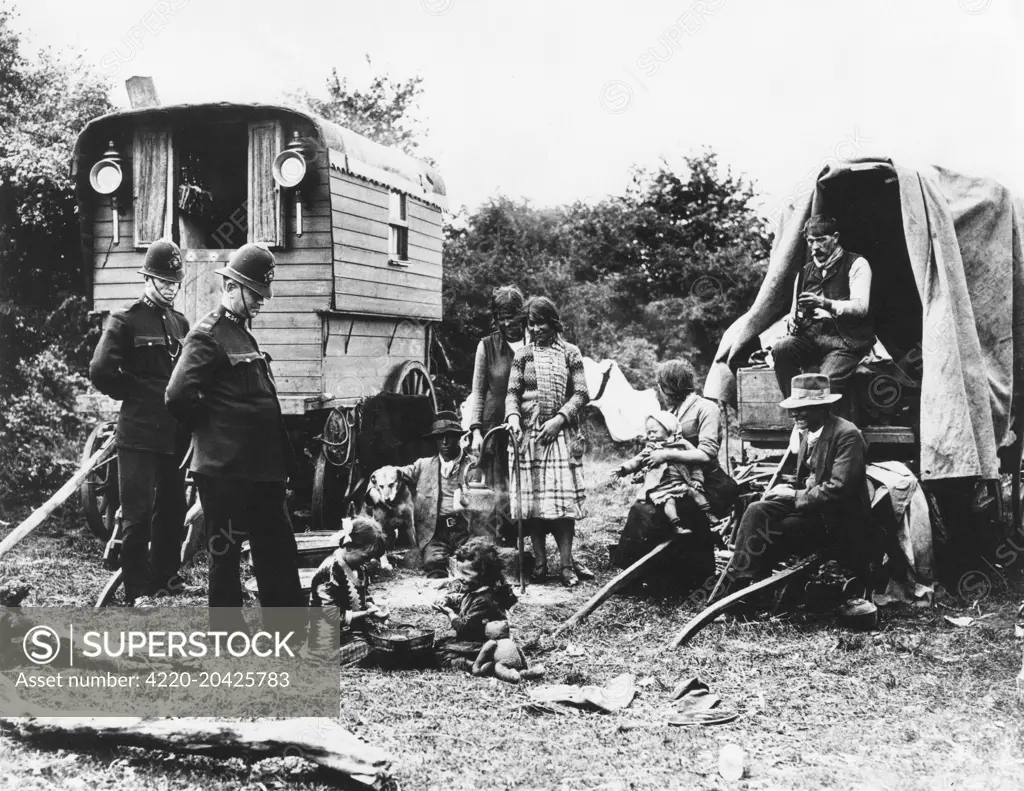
(356,230)
(947,295)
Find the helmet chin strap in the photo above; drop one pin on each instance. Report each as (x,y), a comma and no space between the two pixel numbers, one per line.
(245,303)
(244,312)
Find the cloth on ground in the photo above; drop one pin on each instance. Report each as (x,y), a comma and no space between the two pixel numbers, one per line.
(616,694)
(693,703)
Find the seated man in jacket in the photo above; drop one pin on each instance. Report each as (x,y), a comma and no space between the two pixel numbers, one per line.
(442,523)
(825,505)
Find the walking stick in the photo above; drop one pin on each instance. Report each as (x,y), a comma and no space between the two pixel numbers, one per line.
(519,495)
(517,471)
(728,566)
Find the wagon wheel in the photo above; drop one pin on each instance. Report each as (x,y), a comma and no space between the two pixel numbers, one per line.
(99,492)
(332,477)
(411,378)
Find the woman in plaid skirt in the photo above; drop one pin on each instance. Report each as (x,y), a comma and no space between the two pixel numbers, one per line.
(546,390)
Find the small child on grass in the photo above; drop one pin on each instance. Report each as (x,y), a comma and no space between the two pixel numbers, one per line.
(662,483)
(339,591)
(477,595)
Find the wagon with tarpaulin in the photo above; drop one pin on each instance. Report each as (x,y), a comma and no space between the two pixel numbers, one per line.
(947,296)
(356,231)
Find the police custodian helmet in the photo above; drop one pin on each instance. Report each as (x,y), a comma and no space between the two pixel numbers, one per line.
(163,261)
(252,266)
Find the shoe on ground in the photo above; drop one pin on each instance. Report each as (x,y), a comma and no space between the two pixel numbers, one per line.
(858,614)
(569,578)
(143,602)
(540,574)
(582,571)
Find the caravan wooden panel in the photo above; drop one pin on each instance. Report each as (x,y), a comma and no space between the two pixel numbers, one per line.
(357,360)
(357,303)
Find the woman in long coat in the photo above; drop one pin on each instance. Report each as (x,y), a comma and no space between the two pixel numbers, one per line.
(690,560)
(490,386)
(547,389)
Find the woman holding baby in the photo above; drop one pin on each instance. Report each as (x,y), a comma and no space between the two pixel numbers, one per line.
(690,560)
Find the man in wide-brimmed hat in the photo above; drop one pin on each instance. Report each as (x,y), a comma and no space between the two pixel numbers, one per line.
(824,503)
(133,363)
(442,524)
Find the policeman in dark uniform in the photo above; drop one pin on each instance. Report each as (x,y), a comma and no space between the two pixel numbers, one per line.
(223,392)
(133,363)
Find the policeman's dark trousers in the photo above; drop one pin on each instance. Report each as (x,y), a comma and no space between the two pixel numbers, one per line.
(439,549)
(794,354)
(237,510)
(152,489)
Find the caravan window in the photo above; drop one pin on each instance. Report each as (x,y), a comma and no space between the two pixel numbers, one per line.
(398,244)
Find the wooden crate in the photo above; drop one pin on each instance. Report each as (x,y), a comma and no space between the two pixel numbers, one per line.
(758,398)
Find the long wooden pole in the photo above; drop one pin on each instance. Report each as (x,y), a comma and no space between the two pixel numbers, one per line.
(520,538)
(63,493)
(709,613)
(614,585)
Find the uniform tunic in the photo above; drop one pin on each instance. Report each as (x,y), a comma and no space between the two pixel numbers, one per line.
(133,363)
(223,392)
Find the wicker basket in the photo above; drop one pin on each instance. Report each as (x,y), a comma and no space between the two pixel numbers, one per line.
(402,639)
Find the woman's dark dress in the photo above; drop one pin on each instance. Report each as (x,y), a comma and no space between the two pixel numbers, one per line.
(690,561)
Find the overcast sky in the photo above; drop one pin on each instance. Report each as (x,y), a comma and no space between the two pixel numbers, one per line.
(554,100)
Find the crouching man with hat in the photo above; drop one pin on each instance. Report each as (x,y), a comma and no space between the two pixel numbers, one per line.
(133,363)
(823,505)
(223,392)
(442,523)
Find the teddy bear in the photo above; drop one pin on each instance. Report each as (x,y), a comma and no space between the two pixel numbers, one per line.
(500,655)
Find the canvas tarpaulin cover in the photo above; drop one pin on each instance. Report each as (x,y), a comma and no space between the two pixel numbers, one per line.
(947,295)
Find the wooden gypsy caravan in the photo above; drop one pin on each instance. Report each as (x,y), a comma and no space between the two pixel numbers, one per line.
(356,230)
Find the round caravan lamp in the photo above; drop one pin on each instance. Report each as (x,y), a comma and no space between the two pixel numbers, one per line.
(291,170)
(106,177)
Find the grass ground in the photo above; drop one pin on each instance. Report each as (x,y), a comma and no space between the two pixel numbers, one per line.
(917,704)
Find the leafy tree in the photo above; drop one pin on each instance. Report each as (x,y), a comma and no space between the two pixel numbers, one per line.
(385,111)
(656,273)
(45,101)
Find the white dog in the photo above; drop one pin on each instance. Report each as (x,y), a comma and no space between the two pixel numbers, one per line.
(389,501)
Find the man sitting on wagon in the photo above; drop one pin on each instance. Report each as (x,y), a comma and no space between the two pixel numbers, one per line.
(823,505)
(832,329)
